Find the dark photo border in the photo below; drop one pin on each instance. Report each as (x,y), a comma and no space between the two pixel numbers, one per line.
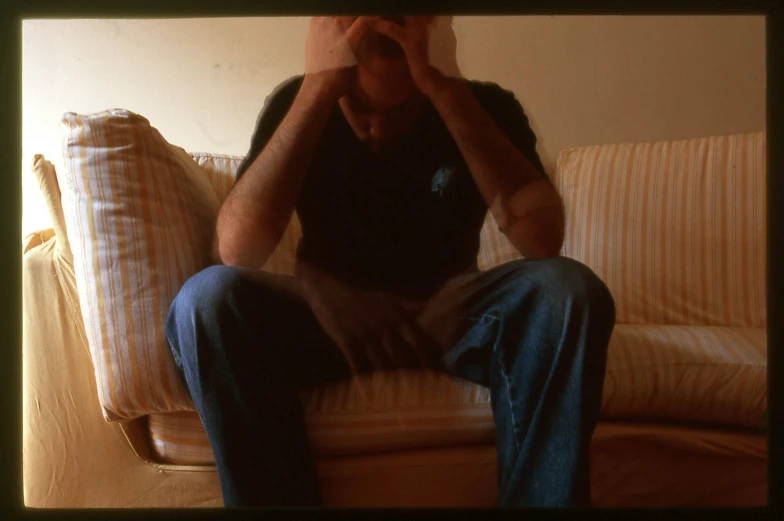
(11,16)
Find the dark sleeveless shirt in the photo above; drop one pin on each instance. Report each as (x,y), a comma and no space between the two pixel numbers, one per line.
(402,224)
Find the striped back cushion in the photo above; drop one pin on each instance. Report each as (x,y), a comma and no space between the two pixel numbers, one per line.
(220,170)
(139,214)
(675,229)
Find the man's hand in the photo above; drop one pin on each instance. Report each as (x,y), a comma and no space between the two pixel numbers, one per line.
(329,51)
(413,37)
(375,331)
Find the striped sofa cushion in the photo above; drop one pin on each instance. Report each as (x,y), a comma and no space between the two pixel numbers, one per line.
(220,169)
(494,247)
(684,373)
(139,213)
(691,373)
(675,229)
(372,413)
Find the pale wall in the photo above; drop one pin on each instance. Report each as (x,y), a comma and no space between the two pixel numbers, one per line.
(582,80)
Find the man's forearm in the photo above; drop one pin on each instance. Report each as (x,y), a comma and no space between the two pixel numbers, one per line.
(258,208)
(525,206)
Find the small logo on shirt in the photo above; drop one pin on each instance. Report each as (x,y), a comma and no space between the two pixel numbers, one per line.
(441,180)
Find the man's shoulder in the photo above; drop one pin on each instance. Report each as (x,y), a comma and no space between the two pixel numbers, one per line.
(286,91)
(500,103)
(490,92)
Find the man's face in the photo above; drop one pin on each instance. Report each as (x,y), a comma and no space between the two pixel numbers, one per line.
(382,120)
(380,55)
(377,53)
(383,128)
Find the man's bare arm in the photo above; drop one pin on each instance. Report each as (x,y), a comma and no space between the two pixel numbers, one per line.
(256,212)
(525,205)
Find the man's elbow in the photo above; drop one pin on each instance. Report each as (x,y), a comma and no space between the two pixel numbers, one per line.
(243,252)
(214,254)
(540,235)
(239,257)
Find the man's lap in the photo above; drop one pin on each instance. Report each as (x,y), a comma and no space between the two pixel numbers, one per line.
(465,311)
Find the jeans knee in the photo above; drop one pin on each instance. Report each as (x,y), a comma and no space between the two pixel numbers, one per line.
(203,294)
(197,305)
(575,282)
(569,282)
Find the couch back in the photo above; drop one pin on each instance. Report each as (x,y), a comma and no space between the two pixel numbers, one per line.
(675,229)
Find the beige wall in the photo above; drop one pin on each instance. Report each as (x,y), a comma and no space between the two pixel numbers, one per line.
(582,80)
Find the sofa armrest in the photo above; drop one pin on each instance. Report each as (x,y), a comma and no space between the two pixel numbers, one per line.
(72,457)
(31,240)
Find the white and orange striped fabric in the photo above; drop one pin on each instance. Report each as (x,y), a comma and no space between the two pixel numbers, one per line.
(714,375)
(494,247)
(139,214)
(676,229)
(373,413)
(220,169)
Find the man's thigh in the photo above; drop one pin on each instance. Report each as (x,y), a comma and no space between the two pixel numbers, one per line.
(464,317)
(280,322)
(465,300)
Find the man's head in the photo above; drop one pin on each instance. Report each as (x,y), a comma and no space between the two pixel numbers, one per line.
(383,103)
(378,54)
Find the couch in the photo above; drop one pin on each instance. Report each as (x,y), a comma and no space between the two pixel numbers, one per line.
(676,230)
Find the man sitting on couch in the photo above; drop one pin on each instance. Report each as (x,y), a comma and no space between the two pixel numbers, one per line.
(391,166)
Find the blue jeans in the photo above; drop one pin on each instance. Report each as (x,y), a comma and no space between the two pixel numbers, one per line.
(534,331)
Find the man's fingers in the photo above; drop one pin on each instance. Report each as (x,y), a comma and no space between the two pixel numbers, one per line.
(392,30)
(412,307)
(396,347)
(422,345)
(374,352)
(355,363)
(420,22)
(418,340)
(359,29)
(377,357)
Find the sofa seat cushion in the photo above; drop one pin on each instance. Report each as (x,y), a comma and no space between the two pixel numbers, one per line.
(389,410)
(686,373)
(712,375)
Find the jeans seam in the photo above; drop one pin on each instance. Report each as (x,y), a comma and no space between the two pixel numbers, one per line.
(508,386)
